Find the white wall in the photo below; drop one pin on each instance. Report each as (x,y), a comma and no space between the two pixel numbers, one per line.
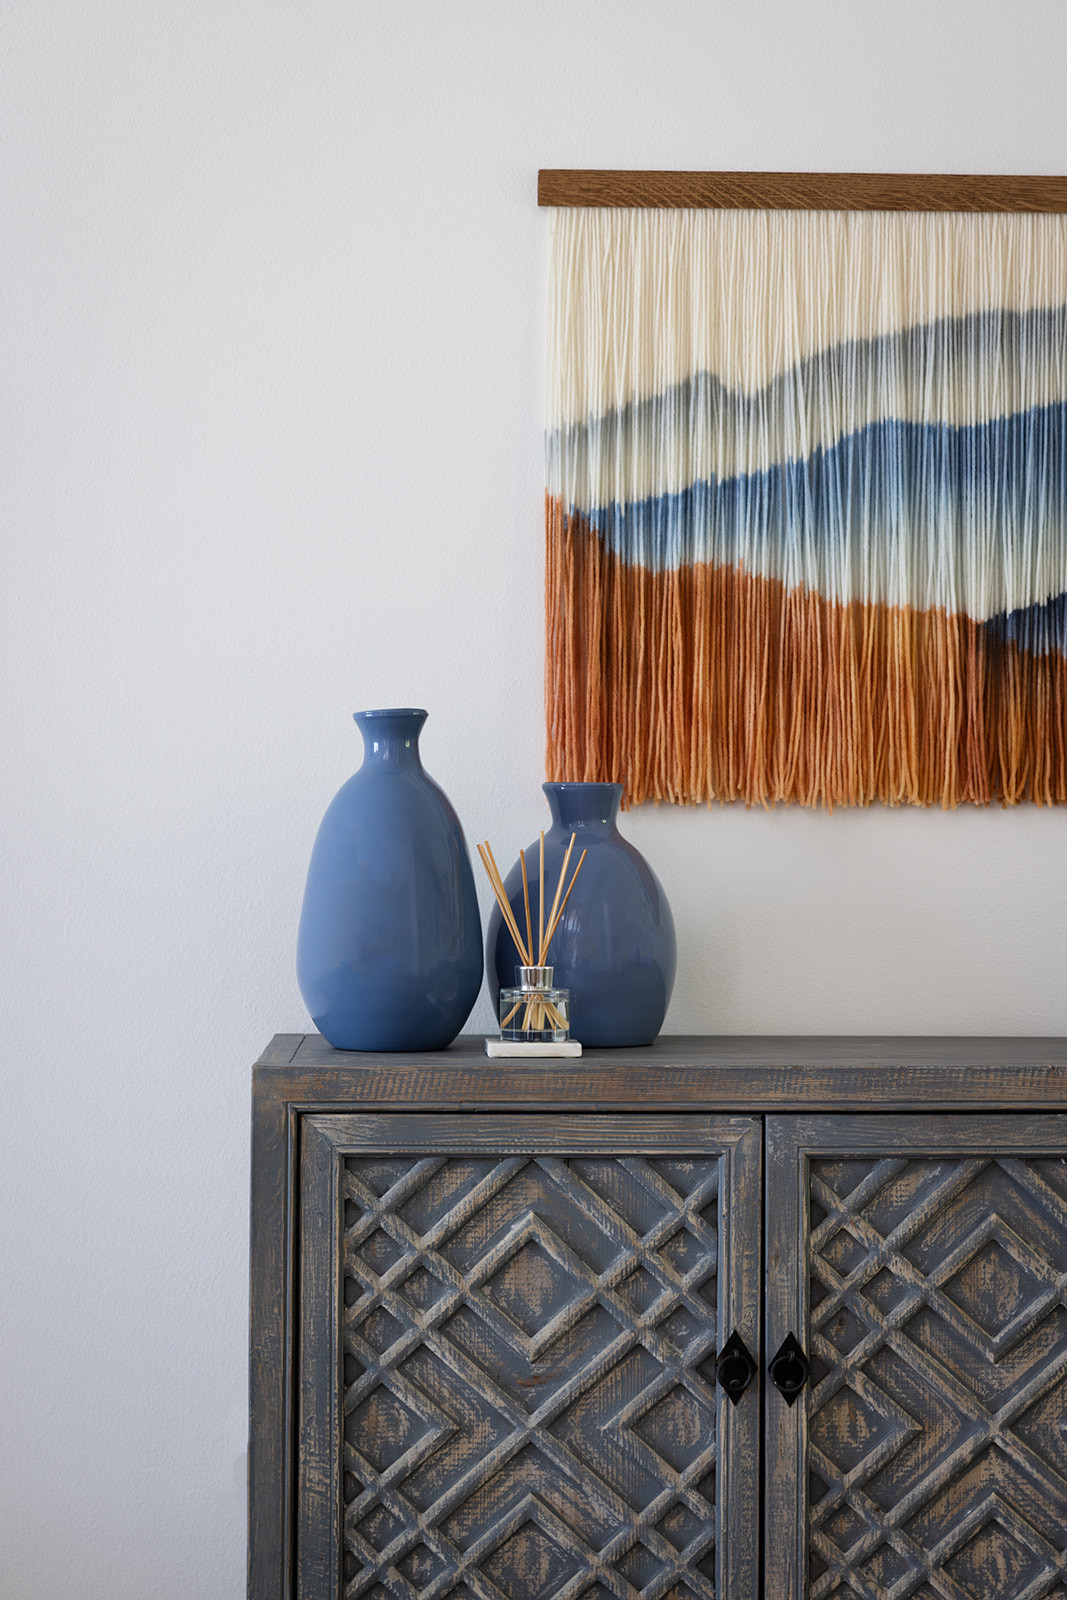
(273,284)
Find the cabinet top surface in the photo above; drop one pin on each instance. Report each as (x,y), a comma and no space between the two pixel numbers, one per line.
(747,1073)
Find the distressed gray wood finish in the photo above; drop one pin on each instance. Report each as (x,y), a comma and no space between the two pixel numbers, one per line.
(922,1262)
(507,1378)
(299,1078)
(682,1074)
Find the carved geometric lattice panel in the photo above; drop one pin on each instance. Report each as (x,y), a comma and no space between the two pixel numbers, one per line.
(528,1381)
(937,1411)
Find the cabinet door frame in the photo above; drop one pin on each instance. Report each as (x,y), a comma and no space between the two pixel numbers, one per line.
(792,1142)
(327,1140)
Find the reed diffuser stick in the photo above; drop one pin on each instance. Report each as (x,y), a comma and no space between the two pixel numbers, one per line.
(526,900)
(563,904)
(541,901)
(555,901)
(489,863)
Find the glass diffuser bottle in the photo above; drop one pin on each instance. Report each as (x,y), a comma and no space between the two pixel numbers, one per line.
(535,1012)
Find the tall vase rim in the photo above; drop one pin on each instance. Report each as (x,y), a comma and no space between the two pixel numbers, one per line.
(383,712)
(391,737)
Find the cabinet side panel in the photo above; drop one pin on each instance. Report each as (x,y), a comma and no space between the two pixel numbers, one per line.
(524,1348)
(270,1351)
(936,1411)
(317,1474)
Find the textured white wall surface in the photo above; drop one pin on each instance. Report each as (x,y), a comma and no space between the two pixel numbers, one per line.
(273,306)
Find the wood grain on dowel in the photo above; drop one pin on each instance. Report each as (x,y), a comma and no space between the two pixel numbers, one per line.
(802,191)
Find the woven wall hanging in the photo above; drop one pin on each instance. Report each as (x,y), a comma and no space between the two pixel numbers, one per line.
(807,488)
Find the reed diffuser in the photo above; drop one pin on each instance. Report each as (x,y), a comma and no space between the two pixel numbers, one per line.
(535,1012)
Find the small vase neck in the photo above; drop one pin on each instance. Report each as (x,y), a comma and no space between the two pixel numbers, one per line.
(391,737)
(583,805)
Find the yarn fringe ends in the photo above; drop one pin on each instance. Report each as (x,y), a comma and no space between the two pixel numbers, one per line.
(705,683)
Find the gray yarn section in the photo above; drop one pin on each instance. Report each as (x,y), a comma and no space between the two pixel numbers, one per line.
(956,371)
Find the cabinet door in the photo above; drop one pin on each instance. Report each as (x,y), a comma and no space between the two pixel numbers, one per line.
(507,1340)
(921,1262)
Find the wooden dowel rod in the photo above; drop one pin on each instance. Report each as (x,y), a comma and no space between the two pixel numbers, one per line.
(801,191)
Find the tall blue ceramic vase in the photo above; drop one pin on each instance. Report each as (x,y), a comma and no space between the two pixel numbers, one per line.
(389,955)
(614,948)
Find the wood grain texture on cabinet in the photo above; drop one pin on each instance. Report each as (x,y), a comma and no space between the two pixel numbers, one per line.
(923,1263)
(415,1216)
(507,1376)
(680,1073)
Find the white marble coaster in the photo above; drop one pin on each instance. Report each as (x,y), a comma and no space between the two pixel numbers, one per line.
(511,1047)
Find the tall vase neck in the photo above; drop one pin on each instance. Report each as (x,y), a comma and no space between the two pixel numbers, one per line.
(391,737)
(583,805)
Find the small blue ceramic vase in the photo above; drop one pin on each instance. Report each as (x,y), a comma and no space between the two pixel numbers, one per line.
(389,955)
(614,948)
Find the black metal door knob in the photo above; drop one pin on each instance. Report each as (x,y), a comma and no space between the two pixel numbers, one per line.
(789,1369)
(734,1367)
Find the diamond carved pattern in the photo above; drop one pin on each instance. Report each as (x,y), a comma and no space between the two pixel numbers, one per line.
(529,1410)
(533,1288)
(937,1421)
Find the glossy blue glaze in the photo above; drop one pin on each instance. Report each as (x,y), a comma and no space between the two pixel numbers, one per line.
(389,954)
(614,948)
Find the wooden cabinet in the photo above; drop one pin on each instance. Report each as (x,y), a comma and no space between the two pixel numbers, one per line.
(925,1259)
(491,1301)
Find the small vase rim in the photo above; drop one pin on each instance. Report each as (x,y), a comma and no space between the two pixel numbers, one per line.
(584,805)
(571,786)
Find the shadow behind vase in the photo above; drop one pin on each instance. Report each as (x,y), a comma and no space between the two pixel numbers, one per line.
(615,946)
